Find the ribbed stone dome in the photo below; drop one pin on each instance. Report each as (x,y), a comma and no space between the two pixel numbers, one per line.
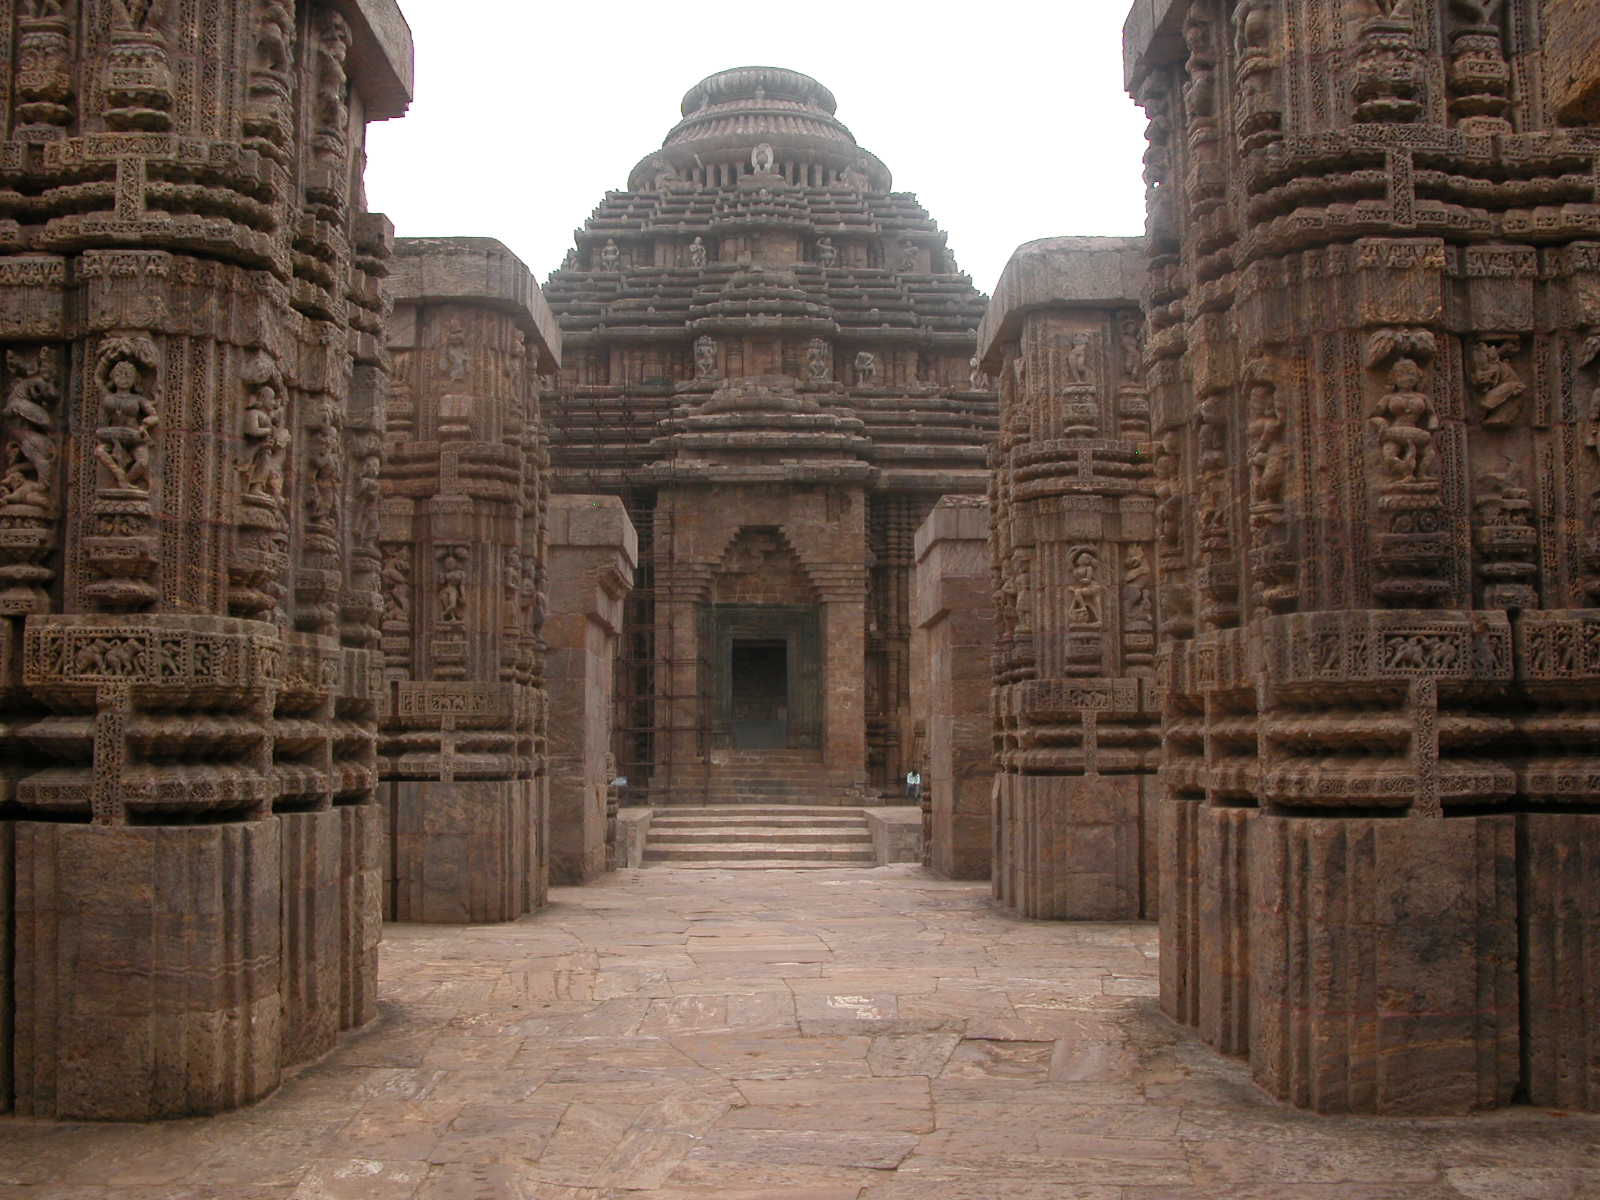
(728,115)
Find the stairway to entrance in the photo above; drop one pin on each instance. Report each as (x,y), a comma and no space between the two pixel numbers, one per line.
(748,836)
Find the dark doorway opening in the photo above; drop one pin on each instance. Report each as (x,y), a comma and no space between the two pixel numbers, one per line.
(759,677)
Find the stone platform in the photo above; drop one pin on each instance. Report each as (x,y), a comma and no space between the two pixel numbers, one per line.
(821,1035)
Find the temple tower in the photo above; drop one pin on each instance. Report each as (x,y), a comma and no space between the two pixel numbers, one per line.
(1374,368)
(768,358)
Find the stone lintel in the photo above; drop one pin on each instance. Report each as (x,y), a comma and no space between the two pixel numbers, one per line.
(382,60)
(482,272)
(1152,34)
(1088,272)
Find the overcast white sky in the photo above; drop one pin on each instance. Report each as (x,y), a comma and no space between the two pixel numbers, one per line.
(1008,120)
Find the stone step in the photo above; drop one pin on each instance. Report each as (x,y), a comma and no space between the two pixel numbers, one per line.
(744,851)
(746,833)
(762,864)
(774,821)
(726,811)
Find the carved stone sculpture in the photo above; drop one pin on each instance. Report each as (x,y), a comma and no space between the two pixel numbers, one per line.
(1370,377)
(189,844)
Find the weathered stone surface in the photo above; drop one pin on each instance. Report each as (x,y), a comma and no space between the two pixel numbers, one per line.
(593,551)
(1072,540)
(769,361)
(1571,30)
(952,646)
(465,589)
(1377,527)
(194,389)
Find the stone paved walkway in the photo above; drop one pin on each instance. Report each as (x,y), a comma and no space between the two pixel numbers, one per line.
(786,1035)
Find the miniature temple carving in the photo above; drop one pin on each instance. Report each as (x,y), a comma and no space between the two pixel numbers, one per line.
(460,545)
(189,843)
(1369,366)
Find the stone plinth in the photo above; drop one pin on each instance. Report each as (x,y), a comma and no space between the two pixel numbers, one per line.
(1377,533)
(593,553)
(462,539)
(192,415)
(1073,530)
(148,978)
(953,611)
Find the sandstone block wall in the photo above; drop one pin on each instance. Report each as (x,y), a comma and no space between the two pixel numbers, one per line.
(593,553)
(1373,361)
(193,401)
(461,534)
(1073,531)
(953,611)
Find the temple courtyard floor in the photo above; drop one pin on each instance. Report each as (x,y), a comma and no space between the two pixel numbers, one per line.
(789,1035)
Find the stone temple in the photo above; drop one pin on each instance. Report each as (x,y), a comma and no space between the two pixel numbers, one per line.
(1235,590)
(768,357)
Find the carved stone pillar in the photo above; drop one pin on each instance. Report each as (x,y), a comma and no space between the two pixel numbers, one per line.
(188,674)
(1074,559)
(459,554)
(593,553)
(1375,405)
(953,608)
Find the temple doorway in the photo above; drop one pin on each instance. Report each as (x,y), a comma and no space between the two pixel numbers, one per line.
(758,678)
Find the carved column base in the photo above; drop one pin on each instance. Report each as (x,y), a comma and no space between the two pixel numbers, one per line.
(1072,847)
(147,969)
(1383,963)
(461,852)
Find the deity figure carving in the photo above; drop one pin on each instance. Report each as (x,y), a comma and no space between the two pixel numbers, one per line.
(866,368)
(1130,336)
(1080,361)
(705,357)
(1086,607)
(819,361)
(1213,433)
(908,256)
(265,430)
(1252,28)
(396,583)
(610,256)
(977,378)
(1169,490)
(453,585)
(826,254)
(323,465)
(123,441)
(1499,386)
(29,424)
(762,158)
(662,173)
(1485,13)
(1268,454)
(1406,424)
(1138,612)
(455,359)
(697,253)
